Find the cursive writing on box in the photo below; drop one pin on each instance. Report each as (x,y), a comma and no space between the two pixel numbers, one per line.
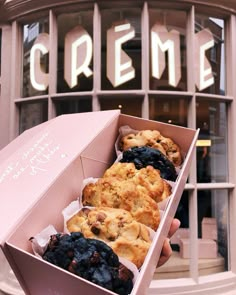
(33,160)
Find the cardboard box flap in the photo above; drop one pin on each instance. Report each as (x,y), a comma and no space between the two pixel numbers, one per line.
(27,171)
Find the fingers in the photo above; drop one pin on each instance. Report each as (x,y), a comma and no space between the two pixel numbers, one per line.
(174,226)
(165,253)
(166,249)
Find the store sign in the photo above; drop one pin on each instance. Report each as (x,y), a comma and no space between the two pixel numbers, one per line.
(163,41)
(79,53)
(119,64)
(39,78)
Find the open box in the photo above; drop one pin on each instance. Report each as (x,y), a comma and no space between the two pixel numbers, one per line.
(42,171)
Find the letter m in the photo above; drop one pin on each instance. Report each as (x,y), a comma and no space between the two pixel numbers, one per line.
(163,41)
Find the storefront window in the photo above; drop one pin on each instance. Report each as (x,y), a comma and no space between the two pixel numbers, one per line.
(69,106)
(213,230)
(170,110)
(121,67)
(30,33)
(129,106)
(32,114)
(75,34)
(211,31)
(212,143)
(168,50)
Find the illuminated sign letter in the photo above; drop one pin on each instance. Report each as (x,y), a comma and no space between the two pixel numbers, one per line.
(119,64)
(39,79)
(162,41)
(78,55)
(204,40)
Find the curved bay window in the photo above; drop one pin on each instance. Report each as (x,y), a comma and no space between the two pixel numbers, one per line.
(157,61)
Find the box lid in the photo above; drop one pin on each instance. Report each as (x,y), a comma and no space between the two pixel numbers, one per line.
(25,161)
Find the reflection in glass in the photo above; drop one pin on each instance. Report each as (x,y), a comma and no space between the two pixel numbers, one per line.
(32,114)
(212,143)
(30,33)
(128,106)
(132,47)
(168,110)
(174,22)
(216,54)
(70,106)
(83,21)
(213,214)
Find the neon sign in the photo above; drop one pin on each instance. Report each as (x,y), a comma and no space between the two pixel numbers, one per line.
(78,55)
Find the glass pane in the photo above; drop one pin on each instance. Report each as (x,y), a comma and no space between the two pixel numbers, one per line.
(30,33)
(177,266)
(212,143)
(32,114)
(121,70)
(213,229)
(75,34)
(168,50)
(69,106)
(128,106)
(170,110)
(210,34)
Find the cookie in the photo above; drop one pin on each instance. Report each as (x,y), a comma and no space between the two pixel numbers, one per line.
(154,139)
(90,259)
(117,228)
(125,187)
(146,156)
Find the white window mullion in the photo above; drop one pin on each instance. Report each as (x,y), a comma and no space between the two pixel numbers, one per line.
(97,47)
(145,59)
(16,77)
(4,84)
(193,216)
(231,90)
(53,43)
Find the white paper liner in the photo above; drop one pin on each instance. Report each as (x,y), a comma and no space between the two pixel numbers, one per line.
(40,242)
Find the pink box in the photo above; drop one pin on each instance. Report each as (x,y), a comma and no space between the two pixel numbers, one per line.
(206,248)
(209,228)
(42,171)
